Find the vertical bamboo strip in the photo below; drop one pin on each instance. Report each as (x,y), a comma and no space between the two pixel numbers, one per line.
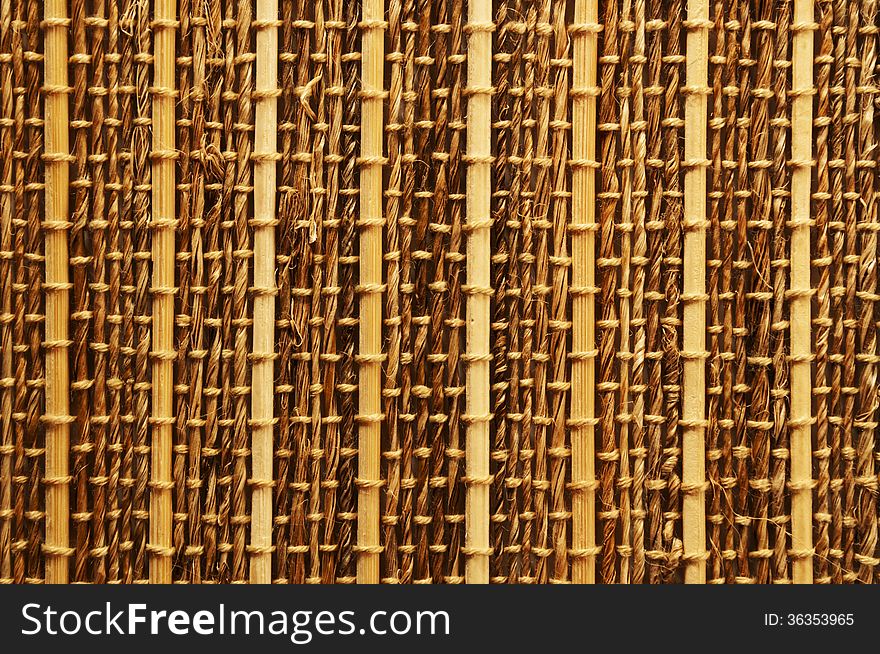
(163,225)
(57,159)
(370,351)
(264,222)
(693,295)
(584,33)
(478,158)
(800,316)
(624,294)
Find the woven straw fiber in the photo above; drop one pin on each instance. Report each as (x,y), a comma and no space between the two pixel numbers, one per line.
(439,291)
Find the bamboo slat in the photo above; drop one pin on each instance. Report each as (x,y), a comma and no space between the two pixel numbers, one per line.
(262,380)
(163,352)
(370,288)
(585,32)
(800,295)
(477,353)
(57,286)
(693,296)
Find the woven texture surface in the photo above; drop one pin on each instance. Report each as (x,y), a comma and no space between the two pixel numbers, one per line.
(677,386)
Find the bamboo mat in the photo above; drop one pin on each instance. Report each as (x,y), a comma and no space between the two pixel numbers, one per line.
(439,291)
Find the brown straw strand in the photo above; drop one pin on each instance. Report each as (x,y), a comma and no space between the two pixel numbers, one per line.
(242,254)
(331,290)
(183,301)
(19,286)
(404,532)
(370,328)
(694,288)
(391,452)
(639,261)
(123,465)
(348,322)
(559,323)
(262,367)
(742,267)
(781,259)
(194,353)
(209,154)
(607,267)
(528,274)
(761,295)
(671,321)
(56,287)
(98,274)
(848,51)
(421,316)
(504,520)
(162,351)
(715,330)
(541,284)
(440,297)
(822,264)
(654,415)
(455,499)
(34,438)
(82,301)
(317,240)
(801,302)
(866,425)
(7,255)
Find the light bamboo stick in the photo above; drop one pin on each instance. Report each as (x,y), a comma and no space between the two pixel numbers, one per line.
(57,288)
(370,290)
(583,255)
(262,372)
(800,294)
(163,226)
(478,289)
(693,420)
